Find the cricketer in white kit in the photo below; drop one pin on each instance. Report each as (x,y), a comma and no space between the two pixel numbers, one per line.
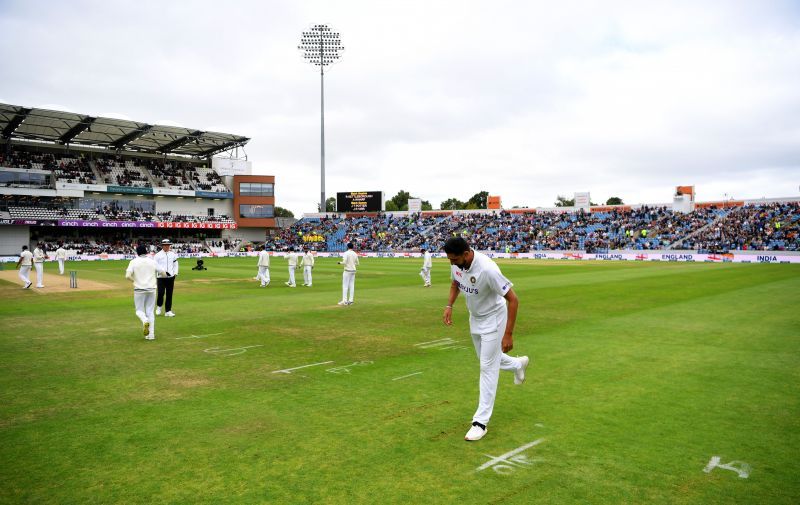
(427,264)
(61,257)
(24,264)
(350,262)
(308,265)
(492,306)
(263,266)
(292,259)
(38,264)
(143,272)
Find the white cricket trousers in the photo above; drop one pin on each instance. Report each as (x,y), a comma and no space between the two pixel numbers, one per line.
(145,303)
(61,267)
(348,284)
(263,275)
(307,275)
(39,273)
(24,273)
(425,273)
(291,275)
(492,359)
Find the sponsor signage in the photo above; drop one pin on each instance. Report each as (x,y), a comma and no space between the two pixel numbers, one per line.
(129,190)
(359,201)
(213,194)
(80,223)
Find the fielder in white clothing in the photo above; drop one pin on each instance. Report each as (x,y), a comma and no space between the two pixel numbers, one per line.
(292,259)
(263,266)
(24,264)
(143,272)
(61,257)
(425,273)
(308,265)
(350,262)
(492,306)
(38,264)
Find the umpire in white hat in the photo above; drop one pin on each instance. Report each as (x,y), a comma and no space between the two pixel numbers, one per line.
(167,262)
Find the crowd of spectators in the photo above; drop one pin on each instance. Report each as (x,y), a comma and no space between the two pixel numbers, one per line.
(757,227)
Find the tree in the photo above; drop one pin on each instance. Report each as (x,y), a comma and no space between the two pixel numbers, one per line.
(562,201)
(426,205)
(281,212)
(330,205)
(452,204)
(614,200)
(390,206)
(479,200)
(400,200)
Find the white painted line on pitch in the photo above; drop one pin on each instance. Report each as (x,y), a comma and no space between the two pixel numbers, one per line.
(289,370)
(403,377)
(743,470)
(507,460)
(241,350)
(433,341)
(198,336)
(346,368)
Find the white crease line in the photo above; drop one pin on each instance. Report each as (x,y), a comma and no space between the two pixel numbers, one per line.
(500,459)
(289,370)
(432,341)
(198,336)
(241,350)
(403,377)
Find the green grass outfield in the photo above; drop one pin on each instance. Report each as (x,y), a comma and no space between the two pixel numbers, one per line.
(641,373)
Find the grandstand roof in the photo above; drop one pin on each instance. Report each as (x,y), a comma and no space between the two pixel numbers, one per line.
(61,127)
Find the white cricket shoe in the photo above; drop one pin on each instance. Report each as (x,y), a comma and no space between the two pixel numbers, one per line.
(169,314)
(150,337)
(40,285)
(476,432)
(27,285)
(343,302)
(519,374)
(158,311)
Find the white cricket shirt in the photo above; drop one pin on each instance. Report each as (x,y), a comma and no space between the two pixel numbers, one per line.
(308,260)
(484,286)
(142,271)
(27,258)
(292,257)
(38,255)
(263,259)
(167,262)
(350,260)
(426,260)
(61,253)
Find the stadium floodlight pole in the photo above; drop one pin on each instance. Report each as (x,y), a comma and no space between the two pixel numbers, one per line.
(321,47)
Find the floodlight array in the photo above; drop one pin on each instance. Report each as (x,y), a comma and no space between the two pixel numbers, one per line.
(321,46)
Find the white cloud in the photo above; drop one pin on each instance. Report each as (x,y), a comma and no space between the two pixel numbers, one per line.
(527,100)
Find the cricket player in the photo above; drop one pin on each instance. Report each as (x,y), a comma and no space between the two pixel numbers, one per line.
(350,262)
(61,256)
(308,265)
(263,266)
(167,262)
(492,306)
(24,264)
(143,272)
(425,273)
(292,259)
(38,264)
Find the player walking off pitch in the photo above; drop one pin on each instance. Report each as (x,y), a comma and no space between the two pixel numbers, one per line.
(350,262)
(24,264)
(143,272)
(308,265)
(292,259)
(492,306)
(425,273)
(263,266)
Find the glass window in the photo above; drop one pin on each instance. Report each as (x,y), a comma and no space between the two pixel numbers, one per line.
(256,211)
(255,189)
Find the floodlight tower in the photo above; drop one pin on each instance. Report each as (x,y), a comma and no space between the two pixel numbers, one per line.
(321,47)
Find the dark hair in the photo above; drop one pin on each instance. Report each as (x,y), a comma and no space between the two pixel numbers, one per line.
(141,249)
(456,245)
(24,248)
(350,245)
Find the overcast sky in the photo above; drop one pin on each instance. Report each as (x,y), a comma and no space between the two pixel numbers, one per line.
(524,99)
